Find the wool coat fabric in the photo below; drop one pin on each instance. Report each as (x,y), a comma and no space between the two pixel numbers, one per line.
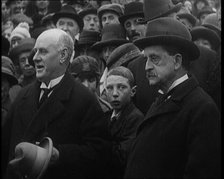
(145,94)
(72,118)
(203,67)
(123,131)
(180,138)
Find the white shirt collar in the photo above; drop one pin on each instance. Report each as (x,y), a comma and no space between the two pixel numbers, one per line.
(116,115)
(52,83)
(175,83)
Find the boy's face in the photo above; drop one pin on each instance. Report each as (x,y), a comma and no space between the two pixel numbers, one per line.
(119,91)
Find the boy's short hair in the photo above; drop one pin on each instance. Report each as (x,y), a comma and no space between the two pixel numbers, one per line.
(124,72)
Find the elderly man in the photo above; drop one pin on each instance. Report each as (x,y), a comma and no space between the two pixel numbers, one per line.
(180,135)
(68,20)
(58,107)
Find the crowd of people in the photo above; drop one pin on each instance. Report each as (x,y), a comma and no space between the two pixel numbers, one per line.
(111,89)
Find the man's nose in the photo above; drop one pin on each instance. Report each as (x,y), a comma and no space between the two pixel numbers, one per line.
(148,65)
(115,92)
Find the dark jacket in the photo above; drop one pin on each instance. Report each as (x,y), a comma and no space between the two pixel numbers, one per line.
(180,138)
(123,131)
(207,71)
(145,94)
(72,118)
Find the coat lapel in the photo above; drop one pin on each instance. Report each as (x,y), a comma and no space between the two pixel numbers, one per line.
(50,110)
(173,103)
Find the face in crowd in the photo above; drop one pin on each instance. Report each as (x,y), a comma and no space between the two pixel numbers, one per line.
(91,22)
(53,49)
(161,66)
(134,29)
(107,51)
(203,42)
(109,18)
(119,91)
(24,65)
(68,25)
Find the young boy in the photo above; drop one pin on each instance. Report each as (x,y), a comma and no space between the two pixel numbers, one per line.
(126,117)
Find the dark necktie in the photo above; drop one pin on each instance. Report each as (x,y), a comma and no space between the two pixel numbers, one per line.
(45,95)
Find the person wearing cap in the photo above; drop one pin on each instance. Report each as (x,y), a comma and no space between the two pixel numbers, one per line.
(187,19)
(203,36)
(211,22)
(203,13)
(86,40)
(198,5)
(20,32)
(125,118)
(8,80)
(146,94)
(48,22)
(181,130)
(68,20)
(19,55)
(113,35)
(109,14)
(58,107)
(133,13)
(85,69)
(90,19)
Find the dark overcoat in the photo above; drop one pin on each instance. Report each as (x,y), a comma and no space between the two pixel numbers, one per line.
(123,131)
(145,94)
(72,118)
(203,68)
(180,138)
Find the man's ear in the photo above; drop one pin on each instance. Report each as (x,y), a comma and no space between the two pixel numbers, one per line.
(64,55)
(133,90)
(177,61)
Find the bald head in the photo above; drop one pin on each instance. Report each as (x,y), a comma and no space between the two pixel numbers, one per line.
(53,50)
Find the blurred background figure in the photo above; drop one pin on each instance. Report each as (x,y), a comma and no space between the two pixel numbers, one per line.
(90,19)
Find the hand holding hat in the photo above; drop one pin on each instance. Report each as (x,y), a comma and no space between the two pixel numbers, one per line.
(32,160)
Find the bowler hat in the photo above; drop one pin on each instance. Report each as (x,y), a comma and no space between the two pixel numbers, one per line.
(168,31)
(8,70)
(88,37)
(86,11)
(133,9)
(159,8)
(24,46)
(211,22)
(123,55)
(189,17)
(32,160)
(205,33)
(112,34)
(70,12)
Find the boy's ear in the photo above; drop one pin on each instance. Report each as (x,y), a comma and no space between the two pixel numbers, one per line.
(133,90)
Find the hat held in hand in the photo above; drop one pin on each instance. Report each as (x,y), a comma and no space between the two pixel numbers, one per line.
(32,160)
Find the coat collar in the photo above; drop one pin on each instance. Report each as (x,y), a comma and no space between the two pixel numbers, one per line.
(176,96)
(49,111)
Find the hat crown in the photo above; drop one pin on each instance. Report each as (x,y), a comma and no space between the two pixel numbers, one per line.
(133,8)
(68,9)
(167,27)
(211,19)
(117,8)
(89,37)
(8,65)
(113,32)
(84,64)
(156,8)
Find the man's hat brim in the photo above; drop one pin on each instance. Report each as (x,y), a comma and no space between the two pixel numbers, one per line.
(116,42)
(123,18)
(176,8)
(187,46)
(75,17)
